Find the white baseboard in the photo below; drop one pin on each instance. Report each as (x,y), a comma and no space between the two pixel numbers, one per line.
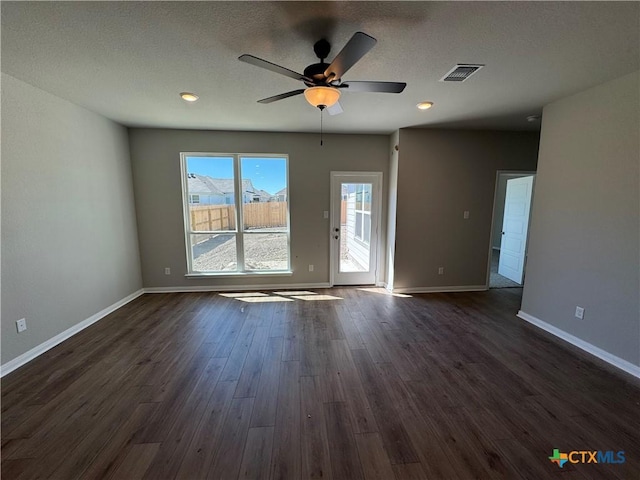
(460,288)
(235,288)
(611,359)
(19,361)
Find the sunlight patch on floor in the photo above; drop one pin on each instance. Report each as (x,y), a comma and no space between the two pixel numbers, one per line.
(282,296)
(289,294)
(243,294)
(316,297)
(384,291)
(265,299)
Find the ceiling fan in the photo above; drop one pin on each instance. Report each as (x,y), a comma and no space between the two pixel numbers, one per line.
(324,80)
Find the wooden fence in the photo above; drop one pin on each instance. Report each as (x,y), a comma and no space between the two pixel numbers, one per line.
(212,217)
(223,217)
(265,215)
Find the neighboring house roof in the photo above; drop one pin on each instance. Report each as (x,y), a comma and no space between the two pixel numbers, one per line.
(263,193)
(201,184)
(282,192)
(204,184)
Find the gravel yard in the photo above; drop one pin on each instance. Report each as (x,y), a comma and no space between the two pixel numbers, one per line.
(263,251)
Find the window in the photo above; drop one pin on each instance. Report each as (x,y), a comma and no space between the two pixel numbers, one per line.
(239,228)
(363,212)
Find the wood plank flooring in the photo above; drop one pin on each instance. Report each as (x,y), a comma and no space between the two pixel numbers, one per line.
(365,386)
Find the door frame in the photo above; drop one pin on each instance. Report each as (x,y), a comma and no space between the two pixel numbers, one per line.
(377,210)
(514,174)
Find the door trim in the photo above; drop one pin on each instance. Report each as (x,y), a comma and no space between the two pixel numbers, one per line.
(378,212)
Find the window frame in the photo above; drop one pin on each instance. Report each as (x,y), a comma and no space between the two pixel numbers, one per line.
(239,231)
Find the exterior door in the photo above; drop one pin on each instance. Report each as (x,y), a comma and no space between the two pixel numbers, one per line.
(515,225)
(355,211)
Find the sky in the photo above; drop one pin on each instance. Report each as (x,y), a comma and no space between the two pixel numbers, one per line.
(268,174)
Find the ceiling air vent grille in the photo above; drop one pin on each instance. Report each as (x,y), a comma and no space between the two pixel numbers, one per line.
(460,72)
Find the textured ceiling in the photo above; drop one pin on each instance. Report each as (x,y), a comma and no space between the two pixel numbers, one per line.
(129,60)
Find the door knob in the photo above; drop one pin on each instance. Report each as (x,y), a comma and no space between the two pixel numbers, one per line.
(336,237)
(336,229)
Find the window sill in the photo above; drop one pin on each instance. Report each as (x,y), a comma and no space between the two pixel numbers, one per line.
(287,273)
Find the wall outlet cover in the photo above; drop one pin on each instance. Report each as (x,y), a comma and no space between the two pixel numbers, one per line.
(21,325)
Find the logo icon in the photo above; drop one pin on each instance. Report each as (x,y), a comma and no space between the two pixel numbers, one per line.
(559,458)
(587,456)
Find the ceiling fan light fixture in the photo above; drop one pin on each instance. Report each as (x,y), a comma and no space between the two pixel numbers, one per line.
(424,105)
(322,96)
(189,97)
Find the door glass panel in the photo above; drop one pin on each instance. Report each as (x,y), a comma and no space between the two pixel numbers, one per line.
(355,227)
(367,197)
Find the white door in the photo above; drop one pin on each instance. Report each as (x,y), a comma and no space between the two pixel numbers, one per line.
(355,209)
(515,225)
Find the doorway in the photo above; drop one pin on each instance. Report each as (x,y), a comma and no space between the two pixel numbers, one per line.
(355,214)
(511,217)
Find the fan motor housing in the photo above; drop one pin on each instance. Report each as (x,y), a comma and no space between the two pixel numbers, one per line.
(316,72)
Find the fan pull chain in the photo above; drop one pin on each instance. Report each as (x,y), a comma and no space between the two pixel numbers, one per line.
(321,112)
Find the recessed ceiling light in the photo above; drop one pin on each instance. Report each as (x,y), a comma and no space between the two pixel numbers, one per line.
(424,105)
(189,97)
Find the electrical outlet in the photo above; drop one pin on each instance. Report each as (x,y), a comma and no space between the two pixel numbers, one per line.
(579,313)
(326,214)
(466,214)
(440,270)
(21,325)
(311,268)
(167,271)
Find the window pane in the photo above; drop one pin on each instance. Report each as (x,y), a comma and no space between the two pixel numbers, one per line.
(214,253)
(359,196)
(367,197)
(266,251)
(367,228)
(210,189)
(358,225)
(264,194)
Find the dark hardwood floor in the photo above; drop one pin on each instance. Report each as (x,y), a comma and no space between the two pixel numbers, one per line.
(369,386)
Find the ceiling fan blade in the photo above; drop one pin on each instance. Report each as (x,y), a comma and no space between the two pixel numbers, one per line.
(354,50)
(335,109)
(259,62)
(382,87)
(281,96)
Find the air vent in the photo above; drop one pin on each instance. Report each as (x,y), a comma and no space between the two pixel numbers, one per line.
(460,72)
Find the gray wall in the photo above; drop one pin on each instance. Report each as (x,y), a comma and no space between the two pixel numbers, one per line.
(69,241)
(584,239)
(155,156)
(441,174)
